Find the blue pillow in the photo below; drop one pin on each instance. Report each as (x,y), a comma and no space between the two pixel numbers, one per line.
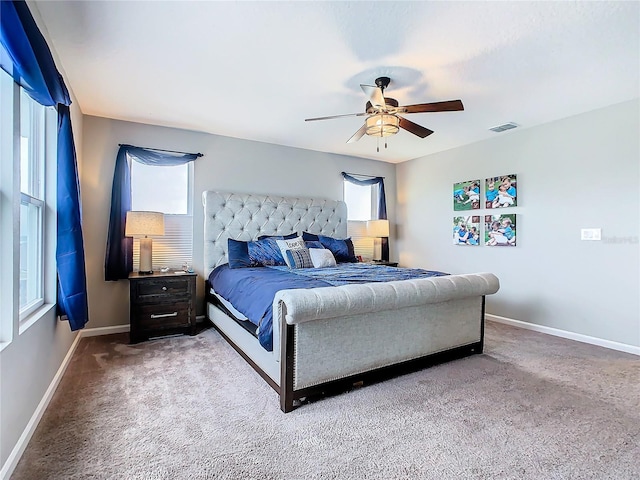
(310,237)
(265,252)
(238,254)
(342,249)
(279,237)
(313,244)
(299,258)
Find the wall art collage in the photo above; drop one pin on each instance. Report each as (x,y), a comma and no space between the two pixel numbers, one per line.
(499,229)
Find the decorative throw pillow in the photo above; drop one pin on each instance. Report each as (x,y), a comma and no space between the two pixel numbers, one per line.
(291,244)
(238,252)
(322,257)
(265,252)
(313,244)
(299,258)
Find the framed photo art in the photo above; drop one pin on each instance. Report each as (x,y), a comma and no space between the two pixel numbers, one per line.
(466,230)
(466,195)
(500,192)
(500,230)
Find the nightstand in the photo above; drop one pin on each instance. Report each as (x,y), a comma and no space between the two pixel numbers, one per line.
(161,304)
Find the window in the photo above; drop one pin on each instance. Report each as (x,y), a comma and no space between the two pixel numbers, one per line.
(167,190)
(361,205)
(360,201)
(32,204)
(161,189)
(27,208)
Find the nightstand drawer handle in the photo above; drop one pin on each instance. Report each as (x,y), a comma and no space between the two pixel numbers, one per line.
(164,315)
(164,288)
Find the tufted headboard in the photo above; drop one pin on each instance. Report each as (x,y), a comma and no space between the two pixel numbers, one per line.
(246,216)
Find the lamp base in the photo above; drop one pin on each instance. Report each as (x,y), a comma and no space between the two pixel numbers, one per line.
(145,267)
(381,249)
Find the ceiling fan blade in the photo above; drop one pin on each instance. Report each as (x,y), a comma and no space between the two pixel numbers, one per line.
(336,116)
(414,128)
(358,135)
(449,106)
(375,95)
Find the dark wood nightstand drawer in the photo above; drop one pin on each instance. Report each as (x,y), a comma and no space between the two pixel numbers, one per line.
(159,316)
(170,287)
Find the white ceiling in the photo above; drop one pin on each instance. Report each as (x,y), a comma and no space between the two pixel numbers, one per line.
(256,70)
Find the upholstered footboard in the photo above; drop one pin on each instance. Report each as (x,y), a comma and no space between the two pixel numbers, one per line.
(336,335)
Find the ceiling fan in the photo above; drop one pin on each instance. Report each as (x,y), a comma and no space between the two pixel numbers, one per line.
(383,117)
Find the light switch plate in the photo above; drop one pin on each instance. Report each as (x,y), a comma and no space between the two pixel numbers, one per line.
(591,234)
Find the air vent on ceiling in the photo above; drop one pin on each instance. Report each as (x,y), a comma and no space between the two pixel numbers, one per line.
(504,126)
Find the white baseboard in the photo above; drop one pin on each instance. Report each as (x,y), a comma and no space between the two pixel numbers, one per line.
(14,457)
(556,332)
(94,332)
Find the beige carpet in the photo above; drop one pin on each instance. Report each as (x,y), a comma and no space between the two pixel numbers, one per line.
(531,407)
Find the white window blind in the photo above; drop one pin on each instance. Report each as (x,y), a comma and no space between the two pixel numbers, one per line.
(174,248)
(363,245)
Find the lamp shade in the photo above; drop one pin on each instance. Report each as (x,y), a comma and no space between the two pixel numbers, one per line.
(378,228)
(141,224)
(382,125)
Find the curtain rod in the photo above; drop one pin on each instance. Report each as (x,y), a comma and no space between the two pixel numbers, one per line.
(364,175)
(168,151)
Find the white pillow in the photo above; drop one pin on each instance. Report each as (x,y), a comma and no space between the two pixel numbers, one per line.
(322,257)
(296,243)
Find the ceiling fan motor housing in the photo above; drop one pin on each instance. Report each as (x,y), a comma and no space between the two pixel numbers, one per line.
(390,102)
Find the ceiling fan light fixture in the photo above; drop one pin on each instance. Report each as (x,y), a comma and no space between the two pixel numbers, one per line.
(382,125)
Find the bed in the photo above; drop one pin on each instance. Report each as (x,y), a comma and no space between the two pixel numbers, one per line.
(328,339)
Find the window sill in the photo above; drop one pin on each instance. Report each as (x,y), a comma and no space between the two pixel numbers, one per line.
(34,317)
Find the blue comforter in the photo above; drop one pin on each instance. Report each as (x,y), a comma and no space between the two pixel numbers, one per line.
(251,290)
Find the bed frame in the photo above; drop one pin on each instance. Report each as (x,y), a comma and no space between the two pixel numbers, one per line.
(327,340)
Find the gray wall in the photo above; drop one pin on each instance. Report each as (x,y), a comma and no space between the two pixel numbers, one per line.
(228,164)
(575,173)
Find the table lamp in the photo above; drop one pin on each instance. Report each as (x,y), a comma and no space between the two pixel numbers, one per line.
(140,225)
(378,229)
